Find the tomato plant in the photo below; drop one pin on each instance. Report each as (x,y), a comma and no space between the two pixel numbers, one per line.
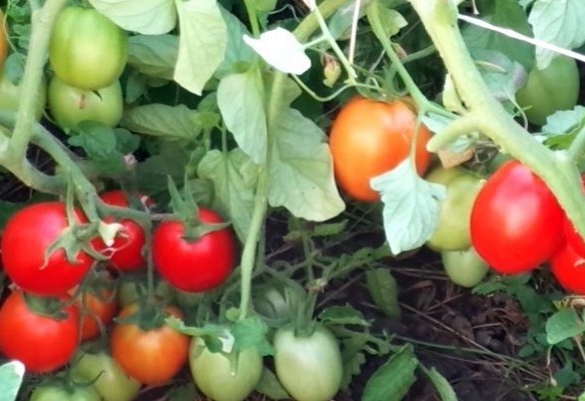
(516,222)
(54,392)
(86,49)
(554,88)
(98,308)
(369,137)
(452,232)
(193,265)
(464,268)
(221,379)
(42,343)
(151,356)
(131,291)
(70,105)
(10,94)
(26,238)
(111,382)
(309,367)
(3,39)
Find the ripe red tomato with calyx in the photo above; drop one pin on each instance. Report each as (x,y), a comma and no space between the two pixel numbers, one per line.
(42,342)
(28,236)
(195,264)
(370,137)
(568,267)
(516,222)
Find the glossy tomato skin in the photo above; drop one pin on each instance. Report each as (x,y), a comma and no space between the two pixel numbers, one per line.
(59,393)
(549,90)
(370,137)
(309,368)
(42,343)
(108,378)
(516,222)
(212,372)
(464,268)
(86,49)
(127,248)
(195,266)
(26,237)
(151,357)
(97,308)
(572,236)
(70,105)
(568,267)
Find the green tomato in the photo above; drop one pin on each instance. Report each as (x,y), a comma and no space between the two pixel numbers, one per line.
(112,384)
(549,90)
(70,106)
(215,376)
(464,268)
(187,300)
(59,393)
(452,231)
(310,368)
(10,95)
(86,49)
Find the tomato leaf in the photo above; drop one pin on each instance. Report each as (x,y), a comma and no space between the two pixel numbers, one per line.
(393,379)
(168,122)
(234,179)
(240,98)
(342,315)
(502,75)
(238,55)
(443,387)
(559,23)
(564,324)
(11,374)
(251,332)
(100,144)
(300,175)
(154,55)
(271,387)
(411,206)
(383,289)
(202,43)
(148,17)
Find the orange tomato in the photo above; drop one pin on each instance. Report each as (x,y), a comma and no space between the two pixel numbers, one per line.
(96,309)
(370,137)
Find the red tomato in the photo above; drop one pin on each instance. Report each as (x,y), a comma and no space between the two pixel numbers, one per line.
(572,236)
(516,222)
(198,265)
(25,239)
(568,267)
(153,356)
(97,308)
(126,252)
(42,343)
(370,137)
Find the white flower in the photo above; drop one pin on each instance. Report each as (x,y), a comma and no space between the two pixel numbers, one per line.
(279,48)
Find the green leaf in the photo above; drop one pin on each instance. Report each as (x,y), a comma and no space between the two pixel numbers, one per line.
(562,325)
(100,144)
(251,332)
(11,374)
(238,55)
(342,315)
(443,387)
(149,17)
(563,121)
(329,229)
(384,291)
(167,122)
(154,55)
(271,387)
(559,23)
(502,75)
(153,172)
(126,142)
(505,14)
(411,206)
(393,379)
(234,180)
(392,20)
(300,173)
(240,98)
(202,43)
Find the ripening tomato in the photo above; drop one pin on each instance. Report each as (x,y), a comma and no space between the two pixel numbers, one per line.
(370,137)
(3,39)
(568,267)
(27,236)
(464,268)
(197,265)
(97,309)
(516,222)
(151,356)
(41,343)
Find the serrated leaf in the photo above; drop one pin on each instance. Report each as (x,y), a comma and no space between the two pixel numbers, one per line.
(154,55)
(167,122)
(251,332)
(202,43)
(393,379)
(240,98)
(559,22)
(564,324)
(342,315)
(234,180)
(11,374)
(441,384)
(383,289)
(143,16)
(411,206)
(271,387)
(563,121)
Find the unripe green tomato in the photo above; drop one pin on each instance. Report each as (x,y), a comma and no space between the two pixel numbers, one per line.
(452,231)
(86,49)
(464,268)
(70,106)
(10,95)
(549,90)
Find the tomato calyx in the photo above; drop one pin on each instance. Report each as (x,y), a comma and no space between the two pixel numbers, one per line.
(148,315)
(50,307)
